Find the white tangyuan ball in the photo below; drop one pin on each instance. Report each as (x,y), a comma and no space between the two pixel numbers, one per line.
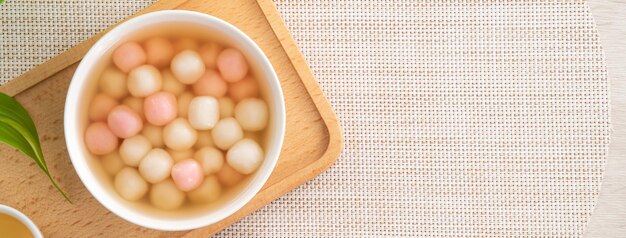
(226,132)
(134,148)
(166,195)
(156,165)
(211,159)
(179,135)
(251,113)
(209,191)
(245,156)
(227,107)
(130,185)
(187,66)
(113,83)
(112,163)
(144,80)
(203,112)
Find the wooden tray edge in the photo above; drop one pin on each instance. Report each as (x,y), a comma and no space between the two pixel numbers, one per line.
(335,142)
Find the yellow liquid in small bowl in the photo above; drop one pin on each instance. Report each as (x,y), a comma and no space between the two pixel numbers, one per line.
(12,227)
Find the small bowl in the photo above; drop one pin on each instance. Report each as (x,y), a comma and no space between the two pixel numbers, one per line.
(83,88)
(22,218)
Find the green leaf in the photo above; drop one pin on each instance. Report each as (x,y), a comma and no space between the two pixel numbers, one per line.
(1,1)
(18,130)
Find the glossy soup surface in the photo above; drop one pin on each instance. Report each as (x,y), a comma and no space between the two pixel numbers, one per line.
(11,227)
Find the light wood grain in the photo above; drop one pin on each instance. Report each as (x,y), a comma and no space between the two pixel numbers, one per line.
(609,217)
(313,138)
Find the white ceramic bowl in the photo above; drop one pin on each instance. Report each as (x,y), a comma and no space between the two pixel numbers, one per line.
(83,87)
(22,218)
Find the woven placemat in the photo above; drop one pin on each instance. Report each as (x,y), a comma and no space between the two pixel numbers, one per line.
(461,118)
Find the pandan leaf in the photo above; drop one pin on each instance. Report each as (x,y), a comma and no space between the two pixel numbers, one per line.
(18,130)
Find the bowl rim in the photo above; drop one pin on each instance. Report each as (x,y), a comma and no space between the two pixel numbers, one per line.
(34,230)
(74,144)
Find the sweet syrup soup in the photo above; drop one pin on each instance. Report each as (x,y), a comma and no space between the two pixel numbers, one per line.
(11,227)
(176,121)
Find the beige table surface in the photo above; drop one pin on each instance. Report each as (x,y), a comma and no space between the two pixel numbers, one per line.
(609,217)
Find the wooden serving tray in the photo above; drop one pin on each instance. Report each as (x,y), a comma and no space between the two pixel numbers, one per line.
(312,143)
